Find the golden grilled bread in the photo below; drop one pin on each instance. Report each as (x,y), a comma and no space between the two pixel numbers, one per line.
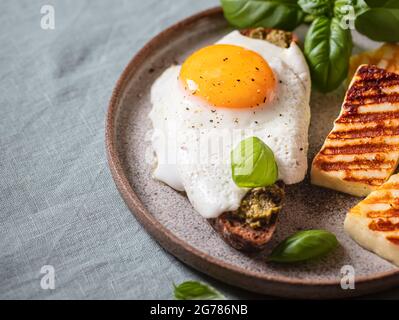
(362,150)
(374,222)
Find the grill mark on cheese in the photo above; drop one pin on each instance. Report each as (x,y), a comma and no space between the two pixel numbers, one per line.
(368,117)
(366,88)
(354,165)
(369,181)
(391,185)
(370,72)
(365,132)
(383,225)
(377,131)
(378,98)
(394,240)
(360,149)
(382,196)
(372,84)
(391,213)
(342,127)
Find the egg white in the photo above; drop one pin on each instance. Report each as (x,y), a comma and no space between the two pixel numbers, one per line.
(192,141)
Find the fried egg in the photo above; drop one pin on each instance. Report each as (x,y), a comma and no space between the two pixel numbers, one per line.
(223,93)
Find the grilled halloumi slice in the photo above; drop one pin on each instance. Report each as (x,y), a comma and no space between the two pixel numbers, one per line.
(362,150)
(374,222)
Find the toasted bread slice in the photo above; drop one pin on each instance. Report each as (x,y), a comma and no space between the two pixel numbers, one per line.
(251,226)
(362,150)
(278,37)
(241,236)
(374,222)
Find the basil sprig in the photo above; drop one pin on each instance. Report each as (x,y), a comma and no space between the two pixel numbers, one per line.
(253,164)
(328,42)
(328,48)
(304,245)
(194,290)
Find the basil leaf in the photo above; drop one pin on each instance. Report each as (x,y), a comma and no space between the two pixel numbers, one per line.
(382,3)
(281,14)
(317,7)
(193,290)
(328,48)
(304,245)
(381,22)
(253,164)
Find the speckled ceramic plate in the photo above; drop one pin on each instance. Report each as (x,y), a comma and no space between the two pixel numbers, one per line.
(170,219)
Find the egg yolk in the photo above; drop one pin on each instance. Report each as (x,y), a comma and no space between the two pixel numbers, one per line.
(228,76)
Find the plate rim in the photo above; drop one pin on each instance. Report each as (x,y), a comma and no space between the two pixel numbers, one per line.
(197,259)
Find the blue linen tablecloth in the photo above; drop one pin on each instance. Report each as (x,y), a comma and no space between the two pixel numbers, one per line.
(58,203)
